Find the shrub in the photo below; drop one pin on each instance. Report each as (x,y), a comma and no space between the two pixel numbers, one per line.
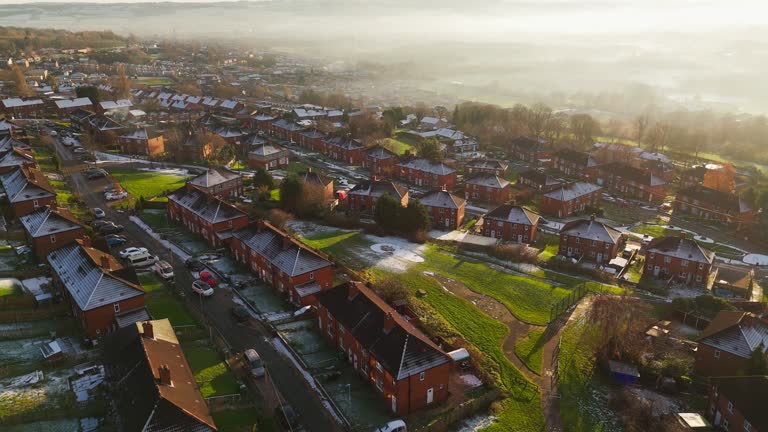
(516,253)
(279,217)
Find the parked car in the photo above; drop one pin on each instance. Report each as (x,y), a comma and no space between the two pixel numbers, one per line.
(113,196)
(111,228)
(98,213)
(96,174)
(164,270)
(96,224)
(115,240)
(254,363)
(194,264)
(109,188)
(142,260)
(207,277)
(393,426)
(202,288)
(240,313)
(125,253)
(78,150)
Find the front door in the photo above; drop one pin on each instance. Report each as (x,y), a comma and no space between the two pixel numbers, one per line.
(430,395)
(447,223)
(656,270)
(355,362)
(717,418)
(394,404)
(519,238)
(599,257)
(570,251)
(493,233)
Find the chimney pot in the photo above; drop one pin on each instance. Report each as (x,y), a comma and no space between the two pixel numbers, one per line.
(149,331)
(165,375)
(105,262)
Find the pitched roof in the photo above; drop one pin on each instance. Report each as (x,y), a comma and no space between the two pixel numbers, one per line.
(74,103)
(213,177)
(17,156)
(287,125)
(578,157)
(380,153)
(592,230)
(735,332)
(514,214)
(629,172)
(26,183)
(79,269)
(280,249)
(425,165)
(402,350)
(211,210)
(6,124)
(487,164)
(145,402)
(314,178)
(376,188)
(265,150)
(442,199)
(718,200)
(748,395)
(140,134)
(344,143)
(572,191)
(19,102)
(528,142)
(680,247)
(312,133)
(47,221)
(539,177)
(488,180)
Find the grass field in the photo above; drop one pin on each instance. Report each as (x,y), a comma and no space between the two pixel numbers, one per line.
(210,372)
(155,220)
(151,283)
(401,142)
(145,183)
(161,302)
(530,350)
(242,420)
(7,289)
(153,81)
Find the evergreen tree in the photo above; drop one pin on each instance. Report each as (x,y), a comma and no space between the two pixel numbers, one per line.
(291,192)
(757,364)
(388,212)
(415,218)
(262,178)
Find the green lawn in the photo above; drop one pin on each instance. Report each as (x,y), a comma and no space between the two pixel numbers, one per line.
(210,372)
(549,245)
(274,194)
(145,183)
(153,81)
(339,245)
(656,231)
(7,288)
(151,283)
(529,350)
(297,167)
(163,304)
(521,410)
(242,420)
(401,142)
(155,220)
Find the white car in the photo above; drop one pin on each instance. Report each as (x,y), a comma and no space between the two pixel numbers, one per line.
(113,196)
(202,288)
(393,426)
(164,270)
(125,253)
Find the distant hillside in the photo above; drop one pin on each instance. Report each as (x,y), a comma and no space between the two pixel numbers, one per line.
(16,39)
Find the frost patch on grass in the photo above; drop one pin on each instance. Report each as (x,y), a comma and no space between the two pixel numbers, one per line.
(475,424)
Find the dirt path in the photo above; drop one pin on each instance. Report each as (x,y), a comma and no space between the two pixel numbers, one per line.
(518,330)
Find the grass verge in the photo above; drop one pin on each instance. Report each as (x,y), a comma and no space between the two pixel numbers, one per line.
(146,183)
(210,372)
(530,350)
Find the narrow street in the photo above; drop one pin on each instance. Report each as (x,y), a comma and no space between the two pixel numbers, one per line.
(289,382)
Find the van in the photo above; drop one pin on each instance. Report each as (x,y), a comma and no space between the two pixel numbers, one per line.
(164,270)
(254,363)
(142,260)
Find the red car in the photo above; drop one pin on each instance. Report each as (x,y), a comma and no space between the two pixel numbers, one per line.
(208,278)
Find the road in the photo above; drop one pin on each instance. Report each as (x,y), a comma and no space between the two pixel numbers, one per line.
(290,383)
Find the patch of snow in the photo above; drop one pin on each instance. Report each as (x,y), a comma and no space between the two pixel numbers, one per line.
(168,245)
(756,259)
(703,239)
(34,285)
(476,423)
(470,380)
(395,250)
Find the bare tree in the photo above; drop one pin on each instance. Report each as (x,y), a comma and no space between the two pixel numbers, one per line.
(122,83)
(538,117)
(20,82)
(641,125)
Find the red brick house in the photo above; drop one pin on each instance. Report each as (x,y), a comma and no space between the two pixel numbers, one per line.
(693,176)
(590,240)
(728,342)
(572,162)
(268,157)
(261,122)
(738,403)
(380,161)
(408,370)
(104,295)
(285,264)
(511,223)
(712,204)
(678,258)
(362,198)
(428,174)
(67,106)
(51,228)
(15,158)
(151,384)
(318,182)
(631,182)
(486,166)
(141,141)
(487,188)
(530,149)
(105,130)
(539,180)
(312,139)
(219,182)
(347,150)
(446,210)
(27,189)
(570,199)
(10,128)
(22,108)
(285,130)
(202,214)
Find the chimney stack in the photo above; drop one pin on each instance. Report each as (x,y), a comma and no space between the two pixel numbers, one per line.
(260,225)
(389,323)
(165,375)
(352,291)
(149,331)
(309,169)
(53,206)
(105,262)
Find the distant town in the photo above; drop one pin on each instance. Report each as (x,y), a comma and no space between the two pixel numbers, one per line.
(212,238)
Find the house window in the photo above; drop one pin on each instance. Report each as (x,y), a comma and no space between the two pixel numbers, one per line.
(667,259)
(747,426)
(730,407)
(578,240)
(312,275)
(594,243)
(53,238)
(652,255)
(116,306)
(701,266)
(717,354)
(698,278)
(379,384)
(35,204)
(378,366)
(421,376)
(725,424)
(684,263)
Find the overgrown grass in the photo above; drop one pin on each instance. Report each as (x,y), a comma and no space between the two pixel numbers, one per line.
(530,350)
(145,183)
(210,372)
(243,420)
(401,142)
(155,220)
